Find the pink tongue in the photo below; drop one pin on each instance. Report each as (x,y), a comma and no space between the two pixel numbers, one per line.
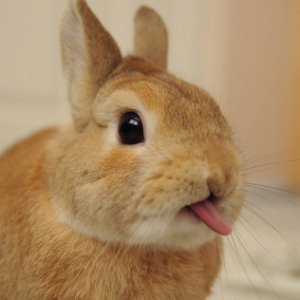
(208,213)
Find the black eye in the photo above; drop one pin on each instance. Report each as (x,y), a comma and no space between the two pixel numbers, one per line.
(131,130)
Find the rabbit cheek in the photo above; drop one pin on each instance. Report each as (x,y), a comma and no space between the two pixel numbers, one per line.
(111,194)
(95,199)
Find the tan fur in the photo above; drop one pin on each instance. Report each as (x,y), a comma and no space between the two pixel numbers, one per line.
(46,260)
(85,217)
(151,37)
(84,40)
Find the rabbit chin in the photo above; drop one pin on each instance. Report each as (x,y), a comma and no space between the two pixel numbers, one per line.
(178,234)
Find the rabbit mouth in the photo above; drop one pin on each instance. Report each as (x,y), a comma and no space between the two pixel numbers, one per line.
(208,212)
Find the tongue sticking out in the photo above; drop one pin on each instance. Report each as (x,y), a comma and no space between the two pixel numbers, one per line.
(208,213)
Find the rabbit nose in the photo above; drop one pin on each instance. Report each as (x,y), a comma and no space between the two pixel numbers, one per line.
(215,187)
(213,197)
(220,184)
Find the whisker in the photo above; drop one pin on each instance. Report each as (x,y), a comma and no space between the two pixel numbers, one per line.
(260,216)
(225,271)
(240,260)
(270,194)
(256,194)
(264,193)
(255,158)
(271,164)
(254,262)
(247,228)
(227,241)
(256,211)
(261,170)
(270,187)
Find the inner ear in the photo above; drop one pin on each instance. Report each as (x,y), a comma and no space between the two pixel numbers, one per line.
(151,37)
(89,55)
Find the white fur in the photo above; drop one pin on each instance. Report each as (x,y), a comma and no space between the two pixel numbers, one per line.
(180,233)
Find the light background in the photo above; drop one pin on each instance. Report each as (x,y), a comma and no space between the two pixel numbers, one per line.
(239,50)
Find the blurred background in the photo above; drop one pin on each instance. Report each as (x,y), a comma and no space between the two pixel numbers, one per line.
(246,53)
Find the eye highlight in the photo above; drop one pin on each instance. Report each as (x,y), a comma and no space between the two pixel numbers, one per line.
(131,131)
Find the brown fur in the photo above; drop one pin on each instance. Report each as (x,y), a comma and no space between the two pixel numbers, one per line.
(84,217)
(51,261)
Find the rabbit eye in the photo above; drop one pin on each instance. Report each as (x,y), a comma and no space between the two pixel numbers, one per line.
(131,130)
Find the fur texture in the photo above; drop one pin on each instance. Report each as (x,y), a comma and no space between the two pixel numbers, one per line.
(151,37)
(83,216)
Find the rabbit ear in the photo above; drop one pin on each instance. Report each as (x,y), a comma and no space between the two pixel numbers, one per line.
(151,37)
(89,54)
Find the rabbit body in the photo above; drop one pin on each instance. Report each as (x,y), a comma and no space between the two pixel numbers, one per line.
(47,260)
(116,208)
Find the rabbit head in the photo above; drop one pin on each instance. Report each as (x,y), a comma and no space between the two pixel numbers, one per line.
(150,158)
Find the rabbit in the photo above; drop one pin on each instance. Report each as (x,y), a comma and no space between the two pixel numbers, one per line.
(130,200)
